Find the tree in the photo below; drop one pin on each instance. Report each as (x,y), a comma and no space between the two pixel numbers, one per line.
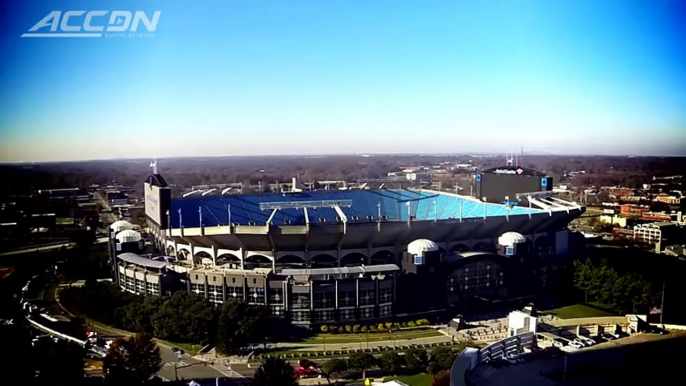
(441,379)
(362,362)
(240,324)
(442,358)
(133,361)
(416,359)
(275,372)
(334,367)
(583,273)
(392,362)
(185,317)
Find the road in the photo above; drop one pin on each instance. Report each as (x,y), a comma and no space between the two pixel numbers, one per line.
(106,215)
(190,368)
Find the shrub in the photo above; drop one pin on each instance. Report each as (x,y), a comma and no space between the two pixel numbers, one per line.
(364,329)
(324,328)
(389,325)
(403,324)
(341,329)
(348,328)
(333,329)
(410,324)
(380,327)
(356,328)
(372,328)
(423,322)
(396,326)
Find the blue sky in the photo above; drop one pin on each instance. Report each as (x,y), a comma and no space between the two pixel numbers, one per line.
(242,77)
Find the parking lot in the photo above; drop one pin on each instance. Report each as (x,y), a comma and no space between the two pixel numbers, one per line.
(612,362)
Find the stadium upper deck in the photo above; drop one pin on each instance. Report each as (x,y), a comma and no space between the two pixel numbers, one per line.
(332,207)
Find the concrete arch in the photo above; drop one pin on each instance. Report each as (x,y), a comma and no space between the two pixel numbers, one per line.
(208,250)
(231,260)
(300,254)
(257,261)
(459,247)
(187,247)
(323,261)
(382,257)
(484,247)
(291,261)
(237,254)
(266,254)
(200,255)
(354,259)
(183,254)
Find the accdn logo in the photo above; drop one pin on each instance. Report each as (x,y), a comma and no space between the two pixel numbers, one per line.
(93,24)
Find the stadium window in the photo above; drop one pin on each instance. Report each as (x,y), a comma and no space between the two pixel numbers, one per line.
(233,279)
(254,280)
(214,278)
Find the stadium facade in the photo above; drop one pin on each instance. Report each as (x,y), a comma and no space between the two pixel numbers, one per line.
(341,256)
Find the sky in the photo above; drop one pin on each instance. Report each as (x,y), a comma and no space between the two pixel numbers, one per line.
(268,77)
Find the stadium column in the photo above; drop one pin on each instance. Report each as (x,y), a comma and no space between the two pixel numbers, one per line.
(311,299)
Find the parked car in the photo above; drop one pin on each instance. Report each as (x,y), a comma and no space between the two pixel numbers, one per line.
(598,339)
(578,341)
(559,343)
(587,341)
(576,344)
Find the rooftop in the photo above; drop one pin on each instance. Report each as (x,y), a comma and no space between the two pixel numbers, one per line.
(340,270)
(331,206)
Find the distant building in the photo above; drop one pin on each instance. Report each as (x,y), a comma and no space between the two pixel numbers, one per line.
(632,209)
(671,200)
(660,234)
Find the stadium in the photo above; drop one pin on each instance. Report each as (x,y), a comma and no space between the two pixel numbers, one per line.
(340,256)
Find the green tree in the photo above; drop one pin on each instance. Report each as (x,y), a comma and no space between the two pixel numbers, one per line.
(185,317)
(416,359)
(132,361)
(583,276)
(240,324)
(441,358)
(334,367)
(362,362)
(324,328)
(275,372)
(392,361)
(137,316)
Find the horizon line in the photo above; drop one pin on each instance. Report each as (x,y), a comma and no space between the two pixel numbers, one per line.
(361,154)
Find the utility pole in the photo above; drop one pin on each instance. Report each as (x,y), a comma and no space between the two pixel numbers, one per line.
(662,307)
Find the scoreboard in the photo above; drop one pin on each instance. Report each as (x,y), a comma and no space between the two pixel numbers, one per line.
(497,184)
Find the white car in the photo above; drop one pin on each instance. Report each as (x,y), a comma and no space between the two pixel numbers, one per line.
(576,344)
(587,341)
(580,342)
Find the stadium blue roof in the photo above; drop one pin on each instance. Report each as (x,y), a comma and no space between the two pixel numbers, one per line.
(360,206)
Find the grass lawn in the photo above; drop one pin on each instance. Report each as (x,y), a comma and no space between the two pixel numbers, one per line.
(580,311)
(190,349)
(413,380)
(372,336)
